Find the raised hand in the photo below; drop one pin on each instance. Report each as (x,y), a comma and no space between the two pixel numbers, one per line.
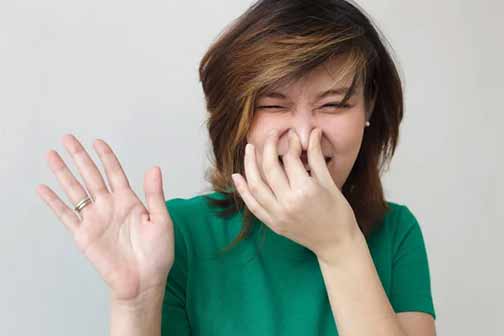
(131,246)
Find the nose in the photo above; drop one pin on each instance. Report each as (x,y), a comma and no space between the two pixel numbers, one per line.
(303,125)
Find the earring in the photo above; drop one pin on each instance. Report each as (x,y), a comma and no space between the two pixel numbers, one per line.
(368,123)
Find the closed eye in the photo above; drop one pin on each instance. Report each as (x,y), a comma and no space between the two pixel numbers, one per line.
(336,105)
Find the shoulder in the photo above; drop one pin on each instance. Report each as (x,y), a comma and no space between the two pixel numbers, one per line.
(184,211)
(399,217)
(196,223)
(182,206)
(403,229)
(399,224)
(403,218)
(193,208)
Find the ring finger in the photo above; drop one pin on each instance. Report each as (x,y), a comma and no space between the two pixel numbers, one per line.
(67,180)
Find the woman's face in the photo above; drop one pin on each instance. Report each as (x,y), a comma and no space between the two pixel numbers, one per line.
(302,109)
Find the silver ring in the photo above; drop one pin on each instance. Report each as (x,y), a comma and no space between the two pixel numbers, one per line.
(82,204)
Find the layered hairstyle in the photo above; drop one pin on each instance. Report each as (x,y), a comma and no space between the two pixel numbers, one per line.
(276,41)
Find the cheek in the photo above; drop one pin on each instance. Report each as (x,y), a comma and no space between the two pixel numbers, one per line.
(257,138)
(262,123)
(345,140)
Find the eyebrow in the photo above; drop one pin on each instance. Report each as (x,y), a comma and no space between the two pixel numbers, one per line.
(330,92)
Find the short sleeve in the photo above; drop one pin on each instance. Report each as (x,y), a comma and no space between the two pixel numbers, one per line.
(174,321)
(410,285)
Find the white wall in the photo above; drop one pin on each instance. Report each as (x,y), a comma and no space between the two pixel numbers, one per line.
(126,71)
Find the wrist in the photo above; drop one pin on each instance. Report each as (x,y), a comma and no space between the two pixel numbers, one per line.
(344,251)
(147,299)
(139,316)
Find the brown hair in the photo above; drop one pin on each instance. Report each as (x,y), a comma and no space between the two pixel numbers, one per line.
(277,41)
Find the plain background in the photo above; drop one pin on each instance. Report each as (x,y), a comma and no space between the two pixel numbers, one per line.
(126,72)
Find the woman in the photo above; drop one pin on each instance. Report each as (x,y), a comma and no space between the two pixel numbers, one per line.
(295,237)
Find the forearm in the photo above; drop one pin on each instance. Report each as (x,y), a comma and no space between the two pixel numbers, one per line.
(357,298)
(142,319)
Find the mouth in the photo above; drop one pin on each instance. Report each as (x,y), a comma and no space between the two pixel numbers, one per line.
(304,160)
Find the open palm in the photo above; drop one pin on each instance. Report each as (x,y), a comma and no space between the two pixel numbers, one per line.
(131,246)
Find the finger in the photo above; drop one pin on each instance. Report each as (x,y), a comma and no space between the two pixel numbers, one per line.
(154,196)
(258,189)
(90,174)
(60,209)
(250,201)
(294,167)
(316,159)
(72,187)
(273,172)
(113,170)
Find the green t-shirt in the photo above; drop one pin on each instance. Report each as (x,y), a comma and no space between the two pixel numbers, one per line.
(273,286)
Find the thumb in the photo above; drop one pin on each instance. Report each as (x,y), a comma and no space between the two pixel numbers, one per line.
(154,196)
